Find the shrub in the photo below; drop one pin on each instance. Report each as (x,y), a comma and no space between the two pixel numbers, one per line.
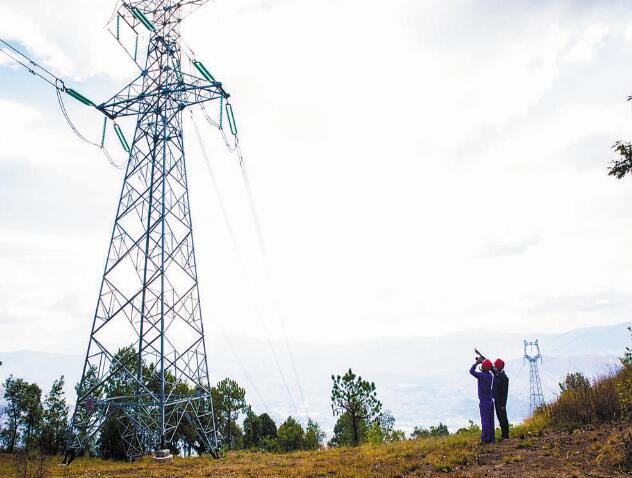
(575,382)
(31,464)
(420,432)
(472,428)
(624,391)
(583,403)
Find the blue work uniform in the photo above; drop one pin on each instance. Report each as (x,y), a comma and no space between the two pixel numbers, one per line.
(485,403)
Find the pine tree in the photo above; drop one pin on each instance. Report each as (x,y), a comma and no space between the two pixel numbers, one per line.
(357,398)
(229,401)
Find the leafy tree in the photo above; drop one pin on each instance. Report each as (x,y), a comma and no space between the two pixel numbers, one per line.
(110,443)
(420,432)
(356,397)
(621,167)
(314,436)
(575,382)
(252,430)
(31,405)
(343,432)
(55,419)
(440,430)
(290,435)
(89,384)
(382,430)
(268,427)
(23,412)
(472,427)
(375,435)
(626,360)
(229,401)
(13,392)
(268,432)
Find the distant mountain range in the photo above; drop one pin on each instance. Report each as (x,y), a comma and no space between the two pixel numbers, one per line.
(421,380)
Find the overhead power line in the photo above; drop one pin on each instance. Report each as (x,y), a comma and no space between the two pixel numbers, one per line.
(239,255)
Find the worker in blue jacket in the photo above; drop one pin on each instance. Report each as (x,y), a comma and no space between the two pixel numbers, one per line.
(485,399)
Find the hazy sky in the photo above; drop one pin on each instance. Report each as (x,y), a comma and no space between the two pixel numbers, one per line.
(420,167)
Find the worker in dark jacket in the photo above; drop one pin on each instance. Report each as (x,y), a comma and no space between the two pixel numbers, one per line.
(486,402)
(500,390)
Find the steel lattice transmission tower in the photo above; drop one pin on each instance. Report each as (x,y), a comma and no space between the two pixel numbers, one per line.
(536,397)
(146,364)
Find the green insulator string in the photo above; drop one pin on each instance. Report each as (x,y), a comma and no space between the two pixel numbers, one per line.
(121,137)
(105,123)
(231,119)
(140,16)
(221,111)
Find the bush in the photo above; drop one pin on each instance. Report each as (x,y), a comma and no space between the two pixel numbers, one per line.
(472,428)
(31,464)
(583,403)
(575,382)
(624,391)
(439,430)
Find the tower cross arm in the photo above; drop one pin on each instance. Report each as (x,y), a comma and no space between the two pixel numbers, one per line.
(191,91)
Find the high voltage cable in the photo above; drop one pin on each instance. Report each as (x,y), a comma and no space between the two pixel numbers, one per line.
(241,365)
(56,82)
(240,260)
(262,247)
(72,126)
(232,236)
(31,66)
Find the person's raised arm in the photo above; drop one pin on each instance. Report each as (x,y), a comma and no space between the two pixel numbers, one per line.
(474,372)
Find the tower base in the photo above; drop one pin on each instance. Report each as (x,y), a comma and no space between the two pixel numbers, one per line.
(163,456)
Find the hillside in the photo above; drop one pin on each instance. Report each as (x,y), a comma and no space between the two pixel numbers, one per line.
(546,454)
(422,380)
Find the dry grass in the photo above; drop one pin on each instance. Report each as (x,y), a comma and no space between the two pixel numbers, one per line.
(599,403)
(396,459)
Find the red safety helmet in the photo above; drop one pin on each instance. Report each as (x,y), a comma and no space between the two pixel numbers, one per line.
(498,363)
(486,365)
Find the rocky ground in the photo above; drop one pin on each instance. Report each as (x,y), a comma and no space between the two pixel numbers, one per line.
(589,452)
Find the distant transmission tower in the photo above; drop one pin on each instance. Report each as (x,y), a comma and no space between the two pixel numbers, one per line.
(532,355)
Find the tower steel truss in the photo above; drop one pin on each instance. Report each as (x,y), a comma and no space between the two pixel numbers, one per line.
(146,364)
(536,397)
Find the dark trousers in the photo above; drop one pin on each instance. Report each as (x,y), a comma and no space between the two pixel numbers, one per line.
(486,408)
(501,413)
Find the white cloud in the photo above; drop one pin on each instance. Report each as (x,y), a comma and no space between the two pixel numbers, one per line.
(452,154)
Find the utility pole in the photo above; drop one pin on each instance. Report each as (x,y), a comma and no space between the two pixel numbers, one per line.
(532,355)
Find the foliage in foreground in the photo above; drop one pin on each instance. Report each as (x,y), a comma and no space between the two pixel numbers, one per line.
(582,402)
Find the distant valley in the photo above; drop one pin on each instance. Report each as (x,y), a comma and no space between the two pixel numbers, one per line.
(421,380)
